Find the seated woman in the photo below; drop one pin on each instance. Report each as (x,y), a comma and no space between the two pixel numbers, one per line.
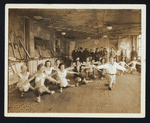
(87,63)
(79,77)
(48,68)
(61,76)
(57,62)
(23,76)
(133,64)
(91,71)
(40,77)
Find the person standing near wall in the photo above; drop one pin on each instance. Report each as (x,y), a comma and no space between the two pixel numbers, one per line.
(75,54)
(112,52)
(85,54)
(81,55)
(93,54)
(97,55)
(101,52)
(134,53)
(105,53)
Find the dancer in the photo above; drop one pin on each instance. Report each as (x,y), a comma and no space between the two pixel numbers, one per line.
(133,64)
(111,69)
(48,67)
(91,71)
(23,76)
(61,76)
(57,62)
(79,77)
(123,64)
(86,64)
(40,77)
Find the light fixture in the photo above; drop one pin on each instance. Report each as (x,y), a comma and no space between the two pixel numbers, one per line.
(109,27)
(105,36)
(63,33)
(88,37)
(38,17)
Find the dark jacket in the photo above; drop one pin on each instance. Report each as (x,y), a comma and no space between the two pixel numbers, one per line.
(75,54)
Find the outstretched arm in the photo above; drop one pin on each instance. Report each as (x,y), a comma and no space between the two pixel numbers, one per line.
(69,68)
(100,67)
(120,67)
(53,73)
(127,65)
(130,63)
(71,72)
(51,79)
(138,63)
(27,81)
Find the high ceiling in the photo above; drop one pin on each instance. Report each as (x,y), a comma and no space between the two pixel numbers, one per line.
(83,23)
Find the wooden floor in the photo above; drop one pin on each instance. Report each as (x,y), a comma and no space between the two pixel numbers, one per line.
(90,98)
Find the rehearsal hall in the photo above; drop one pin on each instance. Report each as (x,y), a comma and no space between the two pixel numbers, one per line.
(74,60)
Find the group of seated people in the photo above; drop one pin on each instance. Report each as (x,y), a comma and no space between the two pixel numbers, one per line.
(57,74)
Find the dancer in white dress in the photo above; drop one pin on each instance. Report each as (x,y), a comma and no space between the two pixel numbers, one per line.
(49,69)
(23,76)
(133,64)
(40,77)
(61,76)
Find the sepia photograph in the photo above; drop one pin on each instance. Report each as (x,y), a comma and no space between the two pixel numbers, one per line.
(70,60)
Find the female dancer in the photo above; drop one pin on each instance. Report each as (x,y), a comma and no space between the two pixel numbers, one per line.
(133,64)
(40,77)
(123,64)
(86,64)
(23,76)
(57,62)
(61,76)
(79,77)
(48,67)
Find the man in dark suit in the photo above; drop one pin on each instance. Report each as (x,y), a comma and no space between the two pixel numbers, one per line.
(134,53)
(75,54)
(85,54)
(97,55)
(101,52)
(93,54)
(80,53)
